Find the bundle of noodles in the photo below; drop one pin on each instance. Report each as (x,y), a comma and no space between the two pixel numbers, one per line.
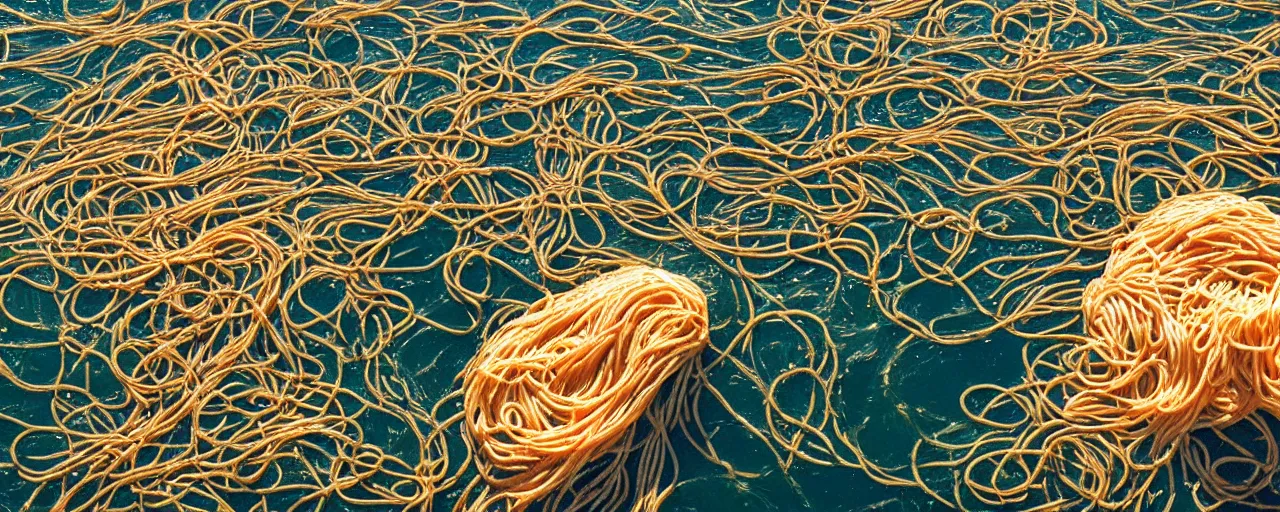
(1183,333)
(1185,323)
(562,385)
(1186,320)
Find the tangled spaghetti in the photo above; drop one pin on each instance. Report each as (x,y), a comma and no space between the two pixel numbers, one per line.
(556,388)
(246,245)
(1185,321)
(1181,336)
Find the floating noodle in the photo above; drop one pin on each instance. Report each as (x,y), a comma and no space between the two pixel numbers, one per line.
(559,386)
(1182,335)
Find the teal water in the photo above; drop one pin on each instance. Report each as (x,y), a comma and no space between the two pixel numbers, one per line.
(889,385)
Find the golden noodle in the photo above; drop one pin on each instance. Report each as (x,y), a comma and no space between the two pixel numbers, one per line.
(1181,336)
(554,389)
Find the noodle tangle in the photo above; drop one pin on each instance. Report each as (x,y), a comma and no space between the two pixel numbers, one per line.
(247,247)
(1186,318)
(558,387)
(1182,333)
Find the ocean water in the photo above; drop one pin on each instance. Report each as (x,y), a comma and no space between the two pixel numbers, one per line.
(893,342)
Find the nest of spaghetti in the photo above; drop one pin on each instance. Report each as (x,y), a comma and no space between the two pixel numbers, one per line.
(564,384)
(1182,341)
